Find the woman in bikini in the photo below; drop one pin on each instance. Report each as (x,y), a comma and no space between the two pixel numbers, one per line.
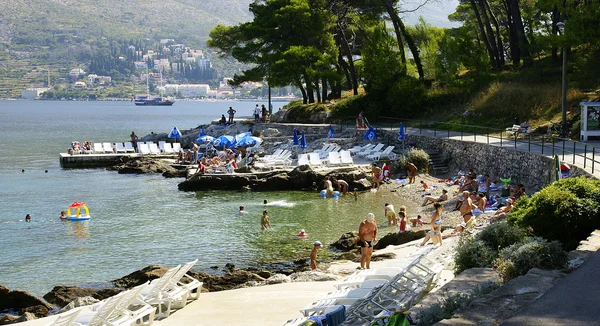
(466,207)
(436,224)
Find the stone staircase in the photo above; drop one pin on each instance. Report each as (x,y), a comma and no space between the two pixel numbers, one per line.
(436,161)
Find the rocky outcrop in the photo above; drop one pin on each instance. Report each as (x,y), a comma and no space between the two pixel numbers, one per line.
(347,241)
(300,178)
(143,165)
(22,302)
(62,295)
(399,238)
(228,281)
(10,319)
(142,276)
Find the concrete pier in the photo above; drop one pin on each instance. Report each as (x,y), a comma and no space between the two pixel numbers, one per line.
(92,160)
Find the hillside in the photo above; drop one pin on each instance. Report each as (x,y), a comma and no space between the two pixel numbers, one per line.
(41,35)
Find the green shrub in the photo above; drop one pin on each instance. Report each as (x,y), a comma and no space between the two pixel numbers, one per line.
(497,236)
(417,156)
(519,258)
(349,107)
(567,211)
(472,253)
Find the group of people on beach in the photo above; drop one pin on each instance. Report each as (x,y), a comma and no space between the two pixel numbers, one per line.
(261,114)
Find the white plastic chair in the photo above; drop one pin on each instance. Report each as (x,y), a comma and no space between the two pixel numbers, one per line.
(98,148)
(129,147)
(168,148)
(154,149)
(346,158)
(376,156)
(303,159)
(120,148)
(369,151)
(144,149)
(335,158)
(314,159)
(107,147)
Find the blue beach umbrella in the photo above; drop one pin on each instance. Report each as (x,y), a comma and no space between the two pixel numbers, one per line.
(202,131)
(249,141)
(205,139)
(224,141)
(370,135)
(239,137)
(330,132)
(175,133)
(295,136)
(401,132)
(303,141)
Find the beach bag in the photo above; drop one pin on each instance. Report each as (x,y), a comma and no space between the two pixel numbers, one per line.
(397,319)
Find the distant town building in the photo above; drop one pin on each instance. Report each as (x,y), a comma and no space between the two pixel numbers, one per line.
(166,40)
(76,72)
(141,65)
(80,85)
(98,80)
(32,93)
(162,64)
(204,64)
(188,90)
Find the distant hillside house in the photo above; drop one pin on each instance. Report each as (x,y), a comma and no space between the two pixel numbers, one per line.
(204,64)
(177,48)
(32,93)
(162,65)
(196,53)
(166,40)
(141,65)
(188,90)
(76,72)
(98,80)
(80,85)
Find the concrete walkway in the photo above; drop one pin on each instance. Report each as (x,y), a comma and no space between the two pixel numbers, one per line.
(573,301)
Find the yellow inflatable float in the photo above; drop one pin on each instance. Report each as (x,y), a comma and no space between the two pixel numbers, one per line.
(78,217)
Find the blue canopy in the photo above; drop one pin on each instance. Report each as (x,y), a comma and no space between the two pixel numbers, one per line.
(224,141)
(295,136)
(303,141)
(370,135)
(401,135)
(239,137)
(205,139)
(330,132)
(175,133)
(249,141)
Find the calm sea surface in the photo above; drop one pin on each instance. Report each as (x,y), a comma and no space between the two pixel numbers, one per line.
(137,220)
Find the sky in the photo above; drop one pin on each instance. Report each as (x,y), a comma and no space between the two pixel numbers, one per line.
(435,12)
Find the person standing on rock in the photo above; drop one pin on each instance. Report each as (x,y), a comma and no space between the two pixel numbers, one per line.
(367,233)
(412,172)
(231,113)
(313,255)
(256,113)
(134,139)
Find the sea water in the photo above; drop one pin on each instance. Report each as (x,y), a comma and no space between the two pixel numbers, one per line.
(137,220)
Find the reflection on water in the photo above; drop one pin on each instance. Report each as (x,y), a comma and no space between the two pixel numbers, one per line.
(79,229)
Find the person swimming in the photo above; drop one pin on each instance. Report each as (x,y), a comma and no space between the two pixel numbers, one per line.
(266,202)
(63,215)
(242,211)
(302,233)
(28,218)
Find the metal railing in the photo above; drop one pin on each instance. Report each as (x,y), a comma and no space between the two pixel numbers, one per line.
(570,151)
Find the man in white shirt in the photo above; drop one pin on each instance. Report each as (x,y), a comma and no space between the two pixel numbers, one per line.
(257,113)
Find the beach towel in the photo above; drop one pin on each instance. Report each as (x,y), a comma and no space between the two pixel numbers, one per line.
(476,212)
(314,320)
(336,317)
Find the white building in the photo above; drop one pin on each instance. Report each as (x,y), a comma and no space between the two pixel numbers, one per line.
(32,93)
(141,65)
(76,72)
(188,90)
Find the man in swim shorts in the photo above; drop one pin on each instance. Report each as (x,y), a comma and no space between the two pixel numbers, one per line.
(342,186)
(376,175)
(367,233)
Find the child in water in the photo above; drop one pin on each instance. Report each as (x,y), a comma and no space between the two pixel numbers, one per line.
(242,211)
(313,255)
(264,221)
(266,202)
(355,193)
(63,215)
(28,218)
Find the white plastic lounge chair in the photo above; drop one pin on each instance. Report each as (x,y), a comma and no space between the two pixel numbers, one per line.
(358,293)
(144,149)
(162,294)
(321,307)
(66,319)
(107,147)
(295,322)
(314,159)
(324,149)
(98,149)
(161,145)
(335,158)
(192,285)
(120,148)
(129,147)
(154,149)
(346,158)
(284,159)
(368,151)
(376,156)
(168,148)
(107,314)
(325,155)
(275,154)
(303,159)
(176,147)
(362,149)
(133,305)
(358,148)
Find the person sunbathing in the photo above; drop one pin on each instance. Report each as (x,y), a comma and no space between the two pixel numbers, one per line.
(502,213)
(438,199)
